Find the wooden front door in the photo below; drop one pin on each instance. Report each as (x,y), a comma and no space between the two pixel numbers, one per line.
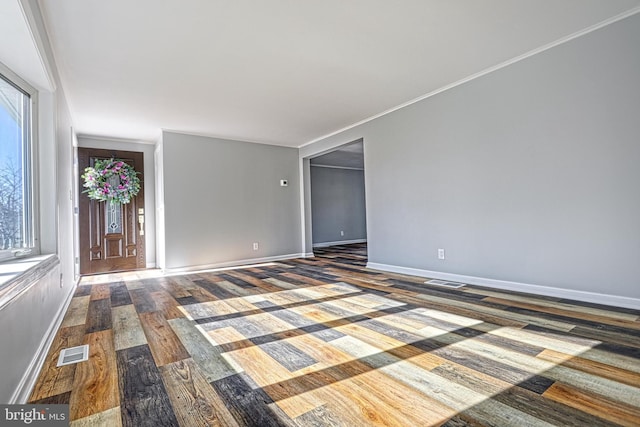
(111,235)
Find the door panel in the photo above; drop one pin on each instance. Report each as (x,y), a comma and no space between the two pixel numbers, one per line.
(111,237)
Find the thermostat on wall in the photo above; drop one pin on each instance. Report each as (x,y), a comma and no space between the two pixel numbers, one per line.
(284,183)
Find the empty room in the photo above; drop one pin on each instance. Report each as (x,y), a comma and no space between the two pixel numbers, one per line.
(320,213)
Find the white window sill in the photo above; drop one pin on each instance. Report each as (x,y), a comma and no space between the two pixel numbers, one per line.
(16,277)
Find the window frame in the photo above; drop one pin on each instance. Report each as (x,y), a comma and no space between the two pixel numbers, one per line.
(30,164)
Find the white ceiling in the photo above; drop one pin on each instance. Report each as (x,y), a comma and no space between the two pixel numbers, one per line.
(284,71)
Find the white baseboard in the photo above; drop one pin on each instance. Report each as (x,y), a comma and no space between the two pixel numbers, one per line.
(341,242)
(234,263)
(592,297)
(28,381)
(309,255)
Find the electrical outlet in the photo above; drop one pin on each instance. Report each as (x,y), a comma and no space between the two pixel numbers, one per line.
(440,253)
(255,246)
(342,232)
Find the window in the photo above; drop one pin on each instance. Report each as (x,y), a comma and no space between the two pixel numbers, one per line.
(17,233)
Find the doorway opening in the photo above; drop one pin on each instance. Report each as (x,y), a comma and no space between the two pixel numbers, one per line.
(337,200)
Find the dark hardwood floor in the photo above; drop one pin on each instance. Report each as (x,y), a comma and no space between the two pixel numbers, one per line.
(325,342)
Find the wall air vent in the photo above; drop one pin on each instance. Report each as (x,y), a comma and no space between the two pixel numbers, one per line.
(69,356)
(444,283)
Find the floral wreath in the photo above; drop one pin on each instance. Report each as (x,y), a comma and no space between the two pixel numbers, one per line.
(111,180)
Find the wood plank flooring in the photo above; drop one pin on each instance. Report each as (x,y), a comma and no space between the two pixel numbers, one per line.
(325,342)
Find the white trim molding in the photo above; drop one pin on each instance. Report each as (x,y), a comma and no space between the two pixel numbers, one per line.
(591,297)
(235,263)
(315,165)
(115,139)
(340,242)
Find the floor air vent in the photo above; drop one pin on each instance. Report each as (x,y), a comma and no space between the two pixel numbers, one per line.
(72,355)
(444,283)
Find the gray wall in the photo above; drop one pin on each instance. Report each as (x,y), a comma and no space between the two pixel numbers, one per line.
(528,174)
(27,322)
(149,184)
(337,204)
(220,196)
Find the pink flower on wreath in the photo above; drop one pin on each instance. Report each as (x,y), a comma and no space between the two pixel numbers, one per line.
(99,189)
